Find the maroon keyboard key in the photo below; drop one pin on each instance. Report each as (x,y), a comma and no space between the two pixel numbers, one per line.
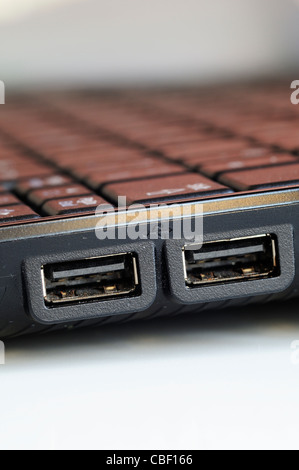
(181,136)
(12,161)
(276,176)
(49,145)
(213,169)
(73,205)
(27,185)
(24,171)
(218,149)
(39,196)
(184,149)
(247,153)
(158,134)
(185,186)
(214,147)
(2,189)
(97,179)
(8,200)
(111,165)
(285,137)
(100,155)
(20,212)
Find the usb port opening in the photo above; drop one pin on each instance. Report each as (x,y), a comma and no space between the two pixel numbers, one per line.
(234,260)
(91,279)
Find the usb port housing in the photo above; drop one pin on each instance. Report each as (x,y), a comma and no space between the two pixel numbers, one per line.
(230,261)
(91,279)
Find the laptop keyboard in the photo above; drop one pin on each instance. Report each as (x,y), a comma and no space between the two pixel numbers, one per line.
(63,155)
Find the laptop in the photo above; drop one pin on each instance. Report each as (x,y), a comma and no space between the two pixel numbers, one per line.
(131,204)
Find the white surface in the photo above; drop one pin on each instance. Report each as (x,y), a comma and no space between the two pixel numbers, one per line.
(83,42)
(225,381)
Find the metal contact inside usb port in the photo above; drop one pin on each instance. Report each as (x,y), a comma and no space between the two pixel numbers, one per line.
(91,279)
(234,260)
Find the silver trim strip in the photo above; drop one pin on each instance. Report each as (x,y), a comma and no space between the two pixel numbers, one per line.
(223,205)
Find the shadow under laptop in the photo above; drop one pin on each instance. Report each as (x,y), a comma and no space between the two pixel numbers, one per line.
(255,326)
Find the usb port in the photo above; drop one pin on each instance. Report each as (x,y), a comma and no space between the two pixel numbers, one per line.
(91,279)
(235,260)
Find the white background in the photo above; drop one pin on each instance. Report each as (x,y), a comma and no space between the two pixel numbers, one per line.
(223,381)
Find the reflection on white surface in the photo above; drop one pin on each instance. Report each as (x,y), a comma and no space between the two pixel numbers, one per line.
(226,380)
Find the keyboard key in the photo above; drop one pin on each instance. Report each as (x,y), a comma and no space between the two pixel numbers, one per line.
(74,205)
(184,149)
(8,200)
(180,187)
(277,176)
(286,137)
(247,153)
(217,150)
(159,134)
(111,165)
(100,155)
(49,145)
(97,179)
(39,196)
(20,212)
(155,142)
(213,169)
(12,161)
(27,185)
(212,147)
(25,170)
